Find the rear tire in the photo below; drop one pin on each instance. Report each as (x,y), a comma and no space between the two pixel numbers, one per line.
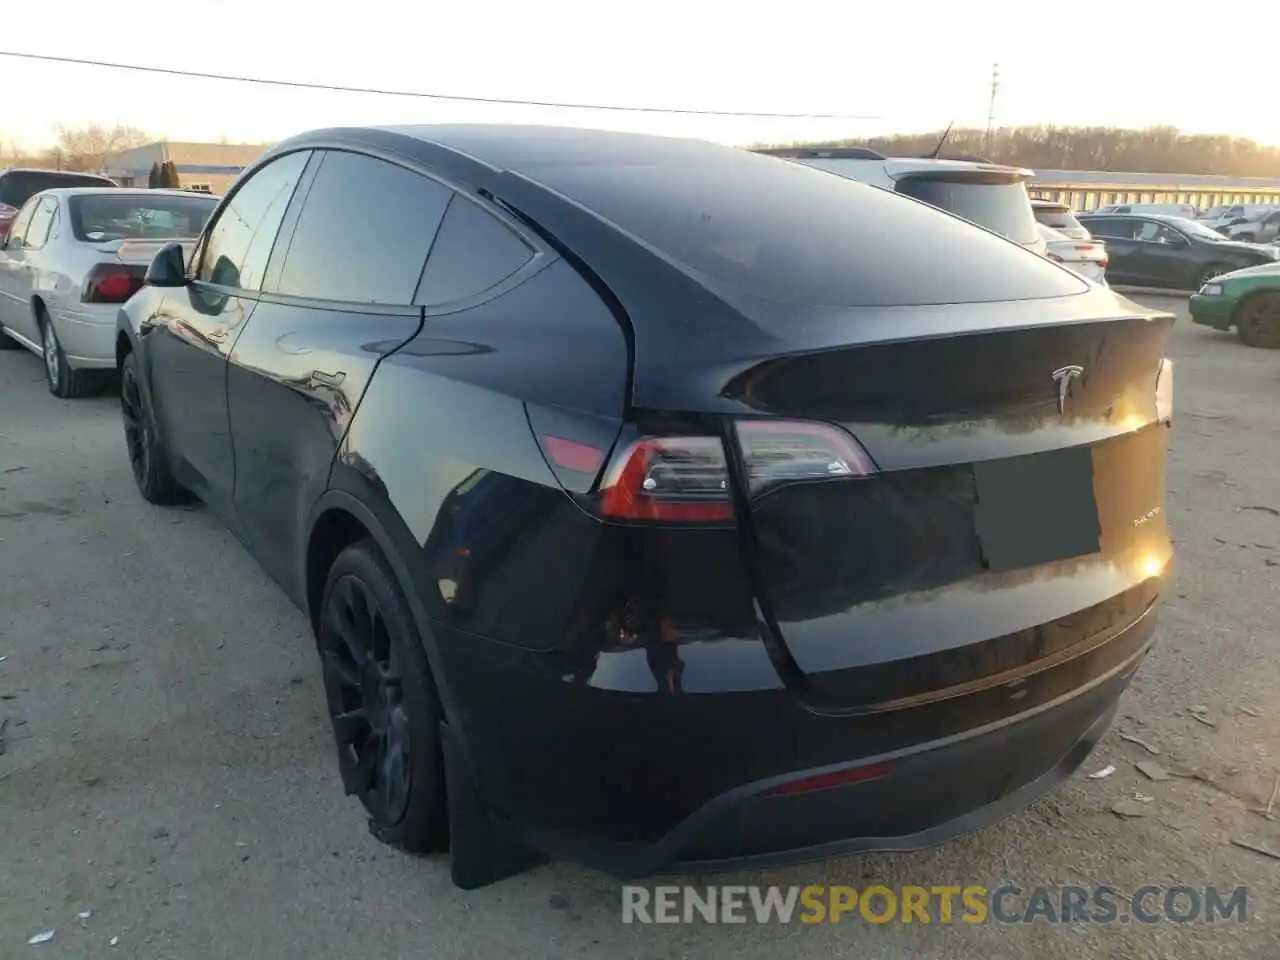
(7,342)
(146,456)
(382,702)
(1257,321)
(64,382)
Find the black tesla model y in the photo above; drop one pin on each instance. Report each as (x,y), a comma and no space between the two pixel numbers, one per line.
(660,504)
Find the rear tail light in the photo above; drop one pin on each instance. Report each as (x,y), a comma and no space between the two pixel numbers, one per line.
(686,478)
(7,212)
(110,283)
(1164,391)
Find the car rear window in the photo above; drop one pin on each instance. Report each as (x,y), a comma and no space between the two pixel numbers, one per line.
(767,228)
(19,186)
(138,216)
(1057,219)
(1000,206)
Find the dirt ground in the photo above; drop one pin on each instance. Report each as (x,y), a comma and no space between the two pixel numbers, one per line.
(167,764)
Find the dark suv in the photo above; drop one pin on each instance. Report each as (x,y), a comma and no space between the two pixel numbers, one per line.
(19,186)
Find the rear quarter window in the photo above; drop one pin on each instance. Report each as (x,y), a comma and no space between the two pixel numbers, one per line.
(764,228)
(473,252)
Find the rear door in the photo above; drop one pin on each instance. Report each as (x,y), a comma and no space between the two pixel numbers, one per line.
(15,309)
(339,296)
(23,252)
(1122,248)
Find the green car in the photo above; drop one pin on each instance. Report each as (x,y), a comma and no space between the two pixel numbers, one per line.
(1248,300)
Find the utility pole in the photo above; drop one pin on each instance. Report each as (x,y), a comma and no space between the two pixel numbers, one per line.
(991,105)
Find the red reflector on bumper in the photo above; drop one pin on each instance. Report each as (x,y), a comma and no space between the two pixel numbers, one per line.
(825,781)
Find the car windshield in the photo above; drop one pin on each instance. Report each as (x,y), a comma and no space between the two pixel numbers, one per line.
(1193,229)
(1003,208)
(96,218)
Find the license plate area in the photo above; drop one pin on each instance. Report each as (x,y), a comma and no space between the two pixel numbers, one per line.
(1036,509)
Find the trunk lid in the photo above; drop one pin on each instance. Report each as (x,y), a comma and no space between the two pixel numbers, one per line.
(142,252)
(1016,516)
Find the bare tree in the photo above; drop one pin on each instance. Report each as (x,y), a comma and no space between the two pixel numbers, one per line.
(86,148)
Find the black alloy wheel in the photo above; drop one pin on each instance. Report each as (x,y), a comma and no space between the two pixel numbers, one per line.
(150,473)
(1257,321)
(382,702)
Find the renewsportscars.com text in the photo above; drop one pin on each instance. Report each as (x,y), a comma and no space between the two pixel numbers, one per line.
(971,904)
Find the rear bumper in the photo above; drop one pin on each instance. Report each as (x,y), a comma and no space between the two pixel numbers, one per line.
(1211,311)
(600,782)
(88,335)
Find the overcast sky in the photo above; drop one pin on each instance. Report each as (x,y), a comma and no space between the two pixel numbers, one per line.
(910,66)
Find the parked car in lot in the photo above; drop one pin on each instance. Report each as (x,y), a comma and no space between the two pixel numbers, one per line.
(18,185)
(988,194)
(1247,299)
(1264,228)
(762,552)
(1221,217)
(1164,209)
(1086,257)
(72,257)
(1060,218)
(1170,252)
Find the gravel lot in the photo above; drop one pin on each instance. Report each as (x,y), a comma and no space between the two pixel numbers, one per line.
(168,764)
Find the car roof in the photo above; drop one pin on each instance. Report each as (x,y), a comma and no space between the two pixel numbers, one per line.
(56,173)
(1050,205)
(119,192)
(711,252)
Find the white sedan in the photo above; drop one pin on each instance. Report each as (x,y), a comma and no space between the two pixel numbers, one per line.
(73,255)
(1086,257)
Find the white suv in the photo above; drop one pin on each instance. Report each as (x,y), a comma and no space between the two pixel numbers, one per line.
(988,194)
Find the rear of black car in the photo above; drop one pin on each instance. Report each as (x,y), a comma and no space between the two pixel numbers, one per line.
(19,186)
(876,551)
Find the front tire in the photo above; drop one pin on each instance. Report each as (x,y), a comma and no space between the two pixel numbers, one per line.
(1210,272)
(1257,321)
(146,457)
(64,382)
(382,702)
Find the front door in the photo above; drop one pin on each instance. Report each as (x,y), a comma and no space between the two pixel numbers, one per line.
(190,338)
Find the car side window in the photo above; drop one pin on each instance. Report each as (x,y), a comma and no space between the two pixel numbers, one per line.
(1150,231)
(41,223)
(473,253)
(1113,229)
(238,244)
(364,232)
(18,229)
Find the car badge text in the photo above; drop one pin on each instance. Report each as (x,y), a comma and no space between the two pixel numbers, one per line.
(1063,377)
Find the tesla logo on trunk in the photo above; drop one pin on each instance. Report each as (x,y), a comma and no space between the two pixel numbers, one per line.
(1063,377)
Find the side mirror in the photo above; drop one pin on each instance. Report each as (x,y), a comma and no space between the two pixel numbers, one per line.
(1176,242)
(168,268)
